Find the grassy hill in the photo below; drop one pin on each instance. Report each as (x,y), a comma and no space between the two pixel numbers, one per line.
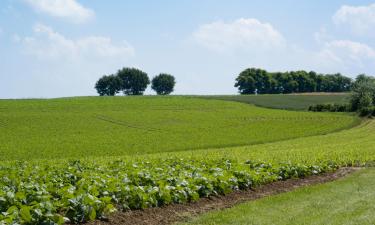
(286,101)
(115,126)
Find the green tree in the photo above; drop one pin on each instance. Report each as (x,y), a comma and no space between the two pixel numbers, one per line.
(253,79)
(363,93)
(163,84)
(134,81)
(108,85)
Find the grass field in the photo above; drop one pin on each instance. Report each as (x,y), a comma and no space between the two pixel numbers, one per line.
(342,202)
(117,126)
(289,101)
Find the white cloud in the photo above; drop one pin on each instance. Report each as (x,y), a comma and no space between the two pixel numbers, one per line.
(50,45)
(68,9)
(360,19)
(62,66)
(241,34)
(348,54)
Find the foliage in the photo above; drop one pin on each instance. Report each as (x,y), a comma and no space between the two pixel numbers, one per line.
(260,81)
(330,108)
(363,95)
(116,126)
(134,81)
(163,84)
(79,192)
(108,85)
(367,111)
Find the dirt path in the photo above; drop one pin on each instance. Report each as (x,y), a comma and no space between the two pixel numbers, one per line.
(179,212)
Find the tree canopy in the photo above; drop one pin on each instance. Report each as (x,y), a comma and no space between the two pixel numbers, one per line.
(163,84)
(134,81)
(108,85)
(363,93)
(254,80)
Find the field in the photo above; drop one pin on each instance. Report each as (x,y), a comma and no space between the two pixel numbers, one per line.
(79,159)
(286,101)
(342,202)
(117,126)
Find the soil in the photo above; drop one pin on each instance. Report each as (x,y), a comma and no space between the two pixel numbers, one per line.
(173,213)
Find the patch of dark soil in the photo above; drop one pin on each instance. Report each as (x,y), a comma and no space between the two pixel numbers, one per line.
(179,212)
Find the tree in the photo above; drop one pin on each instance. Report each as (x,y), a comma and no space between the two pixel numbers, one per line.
(363,94)
(108,85)
(134,81)
(253,79)
(163,84)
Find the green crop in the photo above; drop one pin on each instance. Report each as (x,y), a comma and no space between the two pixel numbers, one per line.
(117,126)
(131,153)
(79,192)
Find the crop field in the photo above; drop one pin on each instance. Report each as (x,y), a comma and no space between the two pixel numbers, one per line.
(354,146)
(79,159)
(117,126)
(286,101)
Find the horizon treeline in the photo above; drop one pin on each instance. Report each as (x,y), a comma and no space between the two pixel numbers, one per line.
(259,81)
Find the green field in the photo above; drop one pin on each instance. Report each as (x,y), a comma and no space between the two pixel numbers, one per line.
(117,126)
(81,158)
(285,101)
(346,147)
(342,202)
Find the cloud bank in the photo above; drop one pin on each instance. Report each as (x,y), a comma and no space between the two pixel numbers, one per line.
(66,9)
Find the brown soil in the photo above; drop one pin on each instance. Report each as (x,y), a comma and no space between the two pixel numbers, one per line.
(179,212)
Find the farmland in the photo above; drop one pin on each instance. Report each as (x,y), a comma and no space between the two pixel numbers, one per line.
(116,126)
(342,202)
(80,159)
(286,101)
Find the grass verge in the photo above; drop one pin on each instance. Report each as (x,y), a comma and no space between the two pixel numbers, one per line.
(346,201)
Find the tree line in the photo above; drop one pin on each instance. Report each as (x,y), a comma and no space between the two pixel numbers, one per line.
(259,81)
(362,98)
(132,81)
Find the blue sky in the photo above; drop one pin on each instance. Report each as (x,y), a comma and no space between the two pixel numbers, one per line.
(55,48)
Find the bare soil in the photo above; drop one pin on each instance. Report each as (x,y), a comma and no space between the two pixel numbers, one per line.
(180,212)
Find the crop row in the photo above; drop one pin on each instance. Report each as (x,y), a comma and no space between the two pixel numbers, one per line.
(80,191)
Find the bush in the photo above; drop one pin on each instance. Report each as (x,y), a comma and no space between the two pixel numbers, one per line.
(367,111)
(330,108)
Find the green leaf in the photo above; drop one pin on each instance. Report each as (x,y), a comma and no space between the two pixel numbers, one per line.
(92,214)
(25,214)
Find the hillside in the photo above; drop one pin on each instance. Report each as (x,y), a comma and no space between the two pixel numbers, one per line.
(286,101)
(116,126)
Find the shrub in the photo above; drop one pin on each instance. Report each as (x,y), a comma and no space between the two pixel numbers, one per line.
(367,111)
(330,108)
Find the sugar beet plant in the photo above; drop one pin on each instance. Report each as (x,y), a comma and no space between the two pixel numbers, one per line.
(83,191)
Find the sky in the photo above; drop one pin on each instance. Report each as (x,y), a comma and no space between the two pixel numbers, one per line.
(58,48)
